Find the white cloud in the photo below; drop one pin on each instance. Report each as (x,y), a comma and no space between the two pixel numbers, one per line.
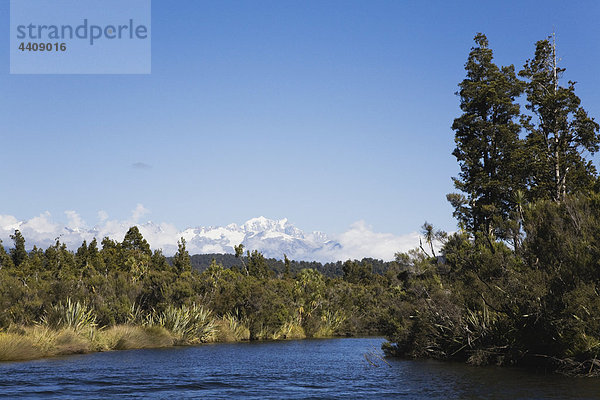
(361,241)
(102,216)
(164,236)
(139,212)
(9,223)
(41,224)
(74,220)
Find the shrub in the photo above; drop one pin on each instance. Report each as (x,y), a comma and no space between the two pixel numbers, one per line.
(76,316)
(189,324)
(231,328)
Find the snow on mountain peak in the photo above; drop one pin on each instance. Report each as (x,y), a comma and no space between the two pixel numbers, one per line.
(264,224)
(272,237)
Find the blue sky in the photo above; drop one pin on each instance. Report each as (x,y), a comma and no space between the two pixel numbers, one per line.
(324,112)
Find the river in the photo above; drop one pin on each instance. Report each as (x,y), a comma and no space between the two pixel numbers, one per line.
(303,369)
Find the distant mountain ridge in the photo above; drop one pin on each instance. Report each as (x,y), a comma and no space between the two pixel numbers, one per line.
(273,238)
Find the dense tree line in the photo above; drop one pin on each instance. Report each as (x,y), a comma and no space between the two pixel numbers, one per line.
(520,282)
(200,262)
(116,279)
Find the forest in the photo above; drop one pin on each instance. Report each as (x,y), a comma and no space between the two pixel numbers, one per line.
(518,284)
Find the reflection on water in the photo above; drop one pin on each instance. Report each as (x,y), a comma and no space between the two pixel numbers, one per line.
(333,369)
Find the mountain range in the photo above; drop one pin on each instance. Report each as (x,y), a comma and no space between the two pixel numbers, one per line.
(273,238)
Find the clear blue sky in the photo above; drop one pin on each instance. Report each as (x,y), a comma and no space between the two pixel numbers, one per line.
(324,112)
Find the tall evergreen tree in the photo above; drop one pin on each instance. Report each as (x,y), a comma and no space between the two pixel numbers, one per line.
(82,255)
(257,265)
(287,263)
(488,147)
(94,255)
(18,253)
(135,253)
(560,130)
(134,241)
(182,261)
(110,254)
(5,260)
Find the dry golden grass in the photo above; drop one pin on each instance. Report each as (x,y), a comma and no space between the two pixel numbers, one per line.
(27,343)
(20,343)
(124,337)
(290,330)
(16,347)
(69,341)
(230,329)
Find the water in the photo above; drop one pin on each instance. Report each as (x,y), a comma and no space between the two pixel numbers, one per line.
(304,369)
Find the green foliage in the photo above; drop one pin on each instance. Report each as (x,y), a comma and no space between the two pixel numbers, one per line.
(257,265)
(500,172)
(539,304)
(122,295)
(357,272)
(520,283)
(193,324)
(18,253)
(135,242)
(559,130)
(331,322)
(181,261)
(5,259)
(287,264)
(488,147)
(74,315)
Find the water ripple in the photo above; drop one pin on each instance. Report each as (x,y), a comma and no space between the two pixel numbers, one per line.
(309,369)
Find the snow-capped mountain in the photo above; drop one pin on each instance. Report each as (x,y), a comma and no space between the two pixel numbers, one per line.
(273,238)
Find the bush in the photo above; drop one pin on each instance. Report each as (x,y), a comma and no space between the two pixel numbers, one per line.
(76,316)
(189,324)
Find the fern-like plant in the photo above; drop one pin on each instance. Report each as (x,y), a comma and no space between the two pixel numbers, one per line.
(75,315)
(193,324)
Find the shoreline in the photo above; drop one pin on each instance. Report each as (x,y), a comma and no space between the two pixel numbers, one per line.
(38,342)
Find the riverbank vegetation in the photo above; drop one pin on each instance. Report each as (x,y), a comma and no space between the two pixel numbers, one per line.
(123,295)
(519,284)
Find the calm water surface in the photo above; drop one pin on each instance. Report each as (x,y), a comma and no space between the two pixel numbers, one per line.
(306,369)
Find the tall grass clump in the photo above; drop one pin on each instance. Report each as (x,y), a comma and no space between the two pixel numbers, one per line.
(193,324)
(231,328)
(330,323)
(125,337)
(16,347)
(137,316)
(77,316)
(291,329)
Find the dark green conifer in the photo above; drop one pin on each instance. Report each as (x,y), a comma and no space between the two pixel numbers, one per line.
(488,147)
